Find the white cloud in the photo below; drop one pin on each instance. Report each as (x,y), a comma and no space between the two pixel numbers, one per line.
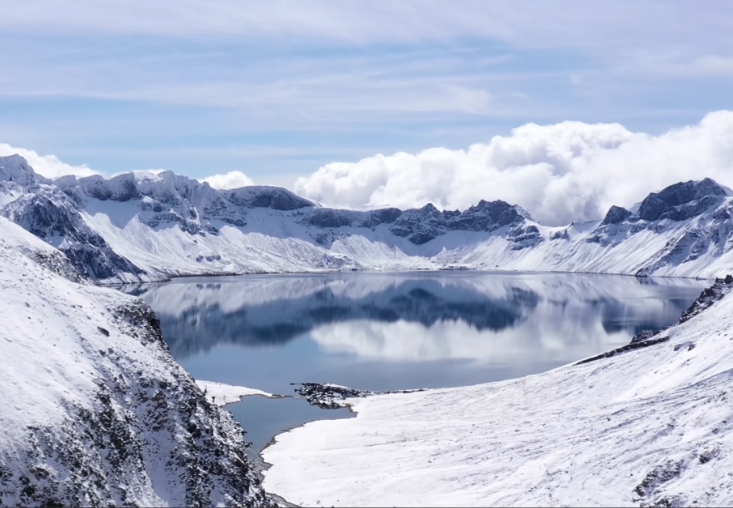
(559,173)
(46,165)
(231,180)
(532,340)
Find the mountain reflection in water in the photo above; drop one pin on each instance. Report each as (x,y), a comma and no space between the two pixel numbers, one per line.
(381,331)
(417,316)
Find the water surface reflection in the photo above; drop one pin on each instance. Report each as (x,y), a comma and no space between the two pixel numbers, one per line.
(398,331)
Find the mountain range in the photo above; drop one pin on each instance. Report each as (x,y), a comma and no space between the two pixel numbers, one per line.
(148,226)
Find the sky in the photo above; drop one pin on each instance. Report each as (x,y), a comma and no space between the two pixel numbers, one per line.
(351,102)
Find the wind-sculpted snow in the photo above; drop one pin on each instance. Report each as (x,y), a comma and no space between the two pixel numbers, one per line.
(155,225)
(648,426)
(96,411)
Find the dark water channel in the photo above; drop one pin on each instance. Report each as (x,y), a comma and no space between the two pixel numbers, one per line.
(380,331)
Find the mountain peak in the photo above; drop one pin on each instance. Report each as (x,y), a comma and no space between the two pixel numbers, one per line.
(14,168)
(682,200)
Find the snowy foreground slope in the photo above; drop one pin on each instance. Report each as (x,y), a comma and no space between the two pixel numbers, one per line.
(95,410)
(651,426)
(148,226)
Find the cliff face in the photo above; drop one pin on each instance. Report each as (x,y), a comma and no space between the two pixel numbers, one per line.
(97,411)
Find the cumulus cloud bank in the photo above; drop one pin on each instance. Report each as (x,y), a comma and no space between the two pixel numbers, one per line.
(559,173)
(231,180)
(46,165)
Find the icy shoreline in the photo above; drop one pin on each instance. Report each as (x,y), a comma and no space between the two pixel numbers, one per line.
(649,426)
(223,394)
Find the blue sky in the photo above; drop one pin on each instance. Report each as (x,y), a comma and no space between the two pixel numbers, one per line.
(278,89)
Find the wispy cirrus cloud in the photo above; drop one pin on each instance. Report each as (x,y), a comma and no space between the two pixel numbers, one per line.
(195,75)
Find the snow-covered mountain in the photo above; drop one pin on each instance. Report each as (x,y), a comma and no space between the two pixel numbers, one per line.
(148,226)
(95,410)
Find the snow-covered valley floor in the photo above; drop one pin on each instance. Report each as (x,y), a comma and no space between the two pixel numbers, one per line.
(652,426)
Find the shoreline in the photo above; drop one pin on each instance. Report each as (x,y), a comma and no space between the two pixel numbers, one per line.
(172,278)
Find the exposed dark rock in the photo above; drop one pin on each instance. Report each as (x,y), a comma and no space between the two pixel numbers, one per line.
(142,425)
(708,297)
(54,218)
(643,336)
(560,235)
(421,226)
(524,237)
(329,218)
(624,349)
(386,215)
(328,396)
(266,197)
(615,215)
(681,201)
(655,479)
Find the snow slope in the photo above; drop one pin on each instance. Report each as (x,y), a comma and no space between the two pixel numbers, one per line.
(652,426)
(95,411)
(151,226)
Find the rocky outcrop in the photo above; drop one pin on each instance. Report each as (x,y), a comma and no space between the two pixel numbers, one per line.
(141,425)
(708,297)
(615,215)
(55,219)
(681,201)
(427,223)
(329,396)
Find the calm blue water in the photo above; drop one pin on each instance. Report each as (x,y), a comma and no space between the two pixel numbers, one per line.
(381,331)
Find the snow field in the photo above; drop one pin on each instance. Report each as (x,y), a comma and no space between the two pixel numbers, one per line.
(650,426)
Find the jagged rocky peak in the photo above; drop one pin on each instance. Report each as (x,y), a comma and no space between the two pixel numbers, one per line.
(490,214)
(682,201)
(15,168)
(615,215)
(164,186)
(422,225)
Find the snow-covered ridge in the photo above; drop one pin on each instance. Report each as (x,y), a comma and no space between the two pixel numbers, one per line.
(96,411)
(151,226)
(648,426)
